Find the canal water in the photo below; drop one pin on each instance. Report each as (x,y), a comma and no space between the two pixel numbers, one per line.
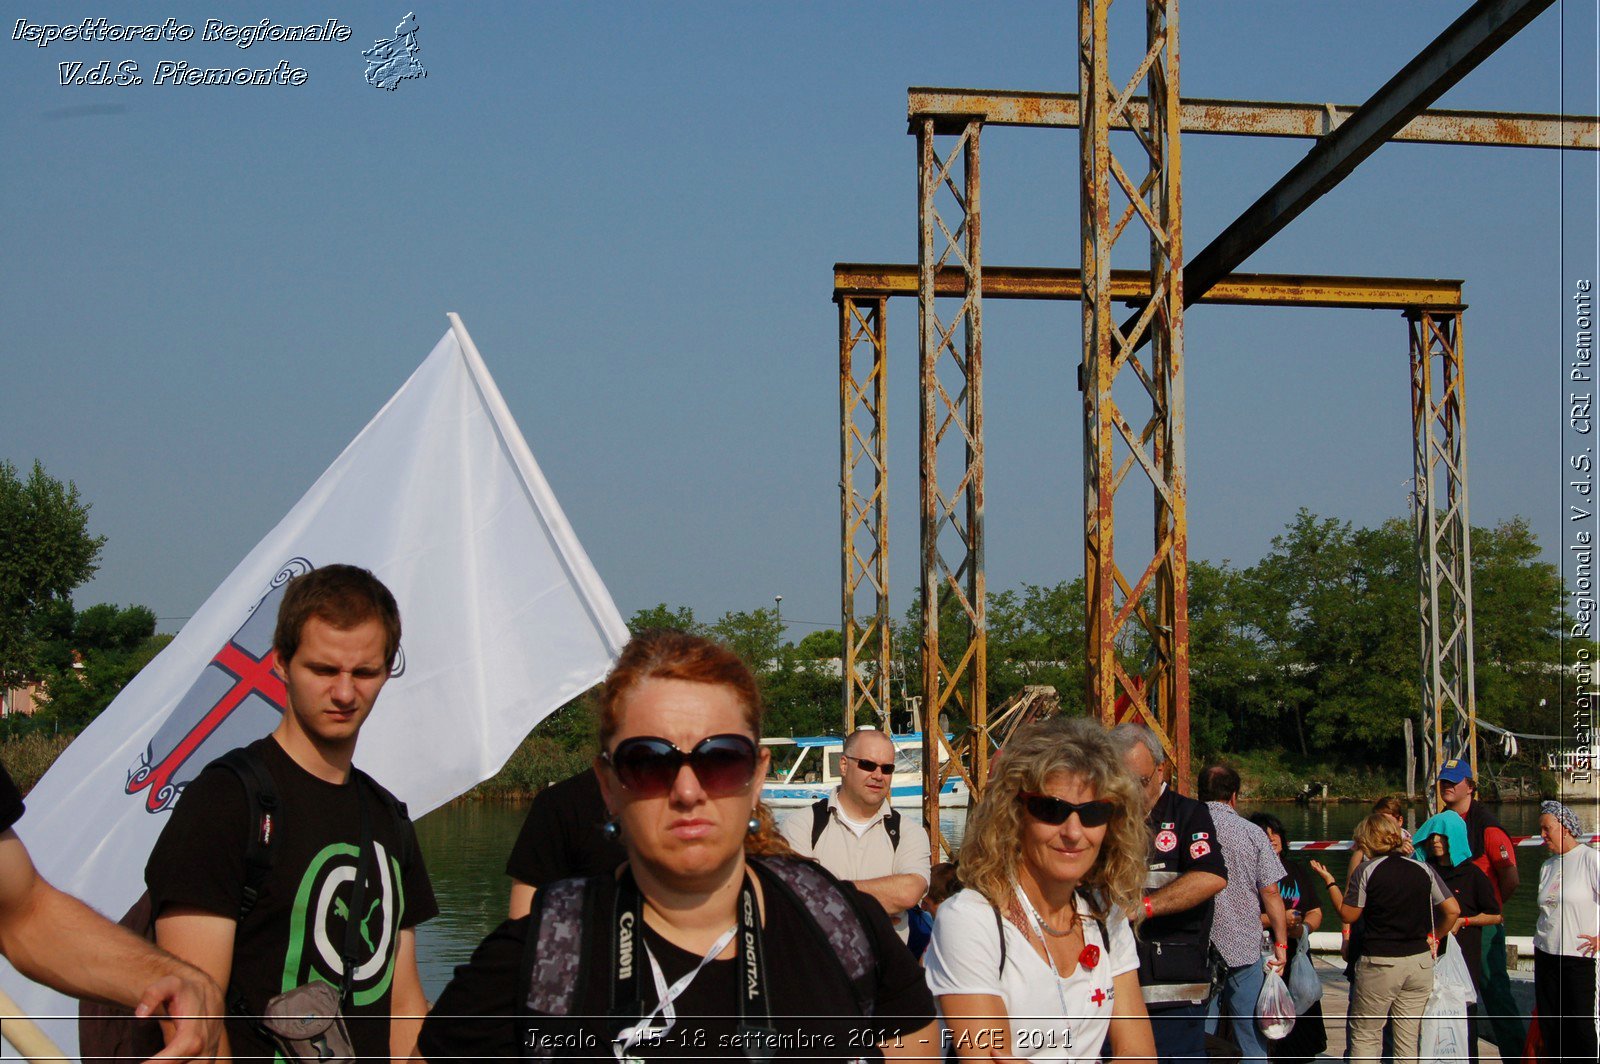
(466,845)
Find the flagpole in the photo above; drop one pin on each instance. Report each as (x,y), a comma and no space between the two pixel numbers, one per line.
(24,1035)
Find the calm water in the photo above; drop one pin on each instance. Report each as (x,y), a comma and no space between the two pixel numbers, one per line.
(466,846)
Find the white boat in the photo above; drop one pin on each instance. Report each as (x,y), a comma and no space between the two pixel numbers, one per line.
(806,768)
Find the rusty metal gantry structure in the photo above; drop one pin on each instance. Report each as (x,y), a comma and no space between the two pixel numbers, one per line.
(1347,135)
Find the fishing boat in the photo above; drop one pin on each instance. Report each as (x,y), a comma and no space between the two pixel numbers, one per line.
(806,768)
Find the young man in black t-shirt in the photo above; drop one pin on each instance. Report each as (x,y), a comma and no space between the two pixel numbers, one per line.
(337,636)
(53,938)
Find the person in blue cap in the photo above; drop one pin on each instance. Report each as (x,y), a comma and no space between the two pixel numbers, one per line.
(1442,842)
(1493,853)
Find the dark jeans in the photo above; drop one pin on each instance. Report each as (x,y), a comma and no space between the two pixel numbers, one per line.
(1180,1032)
(1563,991)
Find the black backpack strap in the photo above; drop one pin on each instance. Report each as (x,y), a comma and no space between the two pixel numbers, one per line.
(398,810)
(891,824)
(820,815)
(261,798)
(835,918)
(1000,929)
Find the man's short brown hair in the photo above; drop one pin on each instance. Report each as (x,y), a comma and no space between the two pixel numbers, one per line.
(341,595)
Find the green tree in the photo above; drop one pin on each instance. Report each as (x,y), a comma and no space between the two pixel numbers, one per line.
(661,615)
(46,551)
(823,643)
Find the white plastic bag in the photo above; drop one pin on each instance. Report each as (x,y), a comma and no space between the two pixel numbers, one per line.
(1274,1007)
(1304,986)
(1444,1020)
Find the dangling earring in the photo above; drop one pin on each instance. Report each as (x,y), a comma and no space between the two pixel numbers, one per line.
(611,829)
(753,825)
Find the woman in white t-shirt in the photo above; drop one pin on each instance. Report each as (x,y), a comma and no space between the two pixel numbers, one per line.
(1565,938)
(1035,958)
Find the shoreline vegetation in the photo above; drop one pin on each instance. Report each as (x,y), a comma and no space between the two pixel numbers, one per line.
(539,760)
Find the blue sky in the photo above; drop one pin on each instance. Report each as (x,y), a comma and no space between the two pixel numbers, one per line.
(636,207)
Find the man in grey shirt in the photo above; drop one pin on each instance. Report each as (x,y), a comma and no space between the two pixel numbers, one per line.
(1253,874)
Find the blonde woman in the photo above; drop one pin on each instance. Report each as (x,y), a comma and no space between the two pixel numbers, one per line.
(1035,958)
(1399,900)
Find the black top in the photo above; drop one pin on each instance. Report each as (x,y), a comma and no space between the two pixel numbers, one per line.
(1476,896)
(1396,896)
(1299,891)
(1182,839)
(561,838)
(199,861)
(10,800)
(814,1008)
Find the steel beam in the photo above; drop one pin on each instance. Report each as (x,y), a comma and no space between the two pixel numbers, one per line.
(854,280)
(864,506)
(1138,630)
(1443,535)
(1467,41)
(1261,118)
(954,663)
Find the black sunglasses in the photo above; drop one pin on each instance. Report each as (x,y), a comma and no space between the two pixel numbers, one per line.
(649,766)
(1054,811)
(869,767)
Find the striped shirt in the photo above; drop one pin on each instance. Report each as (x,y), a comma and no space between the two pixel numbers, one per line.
(1236,926)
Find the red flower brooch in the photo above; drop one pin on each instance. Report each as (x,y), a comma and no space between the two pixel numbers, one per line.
(1089,957)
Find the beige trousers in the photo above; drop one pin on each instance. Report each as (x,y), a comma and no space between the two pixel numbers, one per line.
(1393,990)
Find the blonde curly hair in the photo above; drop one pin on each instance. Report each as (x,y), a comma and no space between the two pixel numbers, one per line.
(1081,748)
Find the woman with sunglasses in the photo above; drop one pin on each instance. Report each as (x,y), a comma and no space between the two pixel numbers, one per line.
(701,945)
(1035,959)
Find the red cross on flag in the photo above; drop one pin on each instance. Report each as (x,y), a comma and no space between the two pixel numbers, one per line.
(504,621)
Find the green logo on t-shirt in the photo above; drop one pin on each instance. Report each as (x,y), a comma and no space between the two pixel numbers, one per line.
(318,924)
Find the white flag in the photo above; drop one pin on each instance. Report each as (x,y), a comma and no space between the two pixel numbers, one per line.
(504,620)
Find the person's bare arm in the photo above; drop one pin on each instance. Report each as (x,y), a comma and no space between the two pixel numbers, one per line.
(53,938)
(203,939)
(1450,909)
(1348,913)
(1131,1036)
(921,1044)
(896,893)
(1184,893)
(521,899)
(1507,876)
(1311,921)
(408,1005)
(1272,901)
(980,1027)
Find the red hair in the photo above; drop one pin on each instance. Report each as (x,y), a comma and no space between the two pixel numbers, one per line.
(668,654)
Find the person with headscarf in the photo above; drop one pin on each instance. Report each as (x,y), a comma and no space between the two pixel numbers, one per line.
(1565,938)
(1441,841)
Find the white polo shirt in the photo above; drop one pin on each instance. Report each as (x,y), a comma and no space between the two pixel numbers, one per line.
(853,850)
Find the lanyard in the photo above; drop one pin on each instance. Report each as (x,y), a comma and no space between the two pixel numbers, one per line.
(1044,939)
(627,1003)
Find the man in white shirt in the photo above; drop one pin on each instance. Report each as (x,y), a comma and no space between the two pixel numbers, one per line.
(857,835)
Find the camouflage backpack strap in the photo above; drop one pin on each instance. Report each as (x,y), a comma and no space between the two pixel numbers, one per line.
(552,953)
(835,917)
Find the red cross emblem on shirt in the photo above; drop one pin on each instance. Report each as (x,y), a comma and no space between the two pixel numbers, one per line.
(1098,997)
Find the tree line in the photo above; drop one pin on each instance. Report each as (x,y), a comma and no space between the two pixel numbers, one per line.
(1312,651)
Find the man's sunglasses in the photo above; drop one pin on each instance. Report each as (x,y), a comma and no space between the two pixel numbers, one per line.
(869,767)
(1054,811)
(649,766)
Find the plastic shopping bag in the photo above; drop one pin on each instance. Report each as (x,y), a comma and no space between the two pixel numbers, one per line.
(1444,1020)
(1304,986)
(1274,1007)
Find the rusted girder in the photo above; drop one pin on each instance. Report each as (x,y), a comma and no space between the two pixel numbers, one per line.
(1261,118)
(1443,534)
(857,280)
(1470,39)
(864,505)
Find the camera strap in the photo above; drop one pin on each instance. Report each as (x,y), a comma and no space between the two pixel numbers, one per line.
(629,952)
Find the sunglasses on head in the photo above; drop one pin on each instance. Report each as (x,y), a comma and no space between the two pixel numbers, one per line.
(649,766)
(1054,811)
(869,767)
